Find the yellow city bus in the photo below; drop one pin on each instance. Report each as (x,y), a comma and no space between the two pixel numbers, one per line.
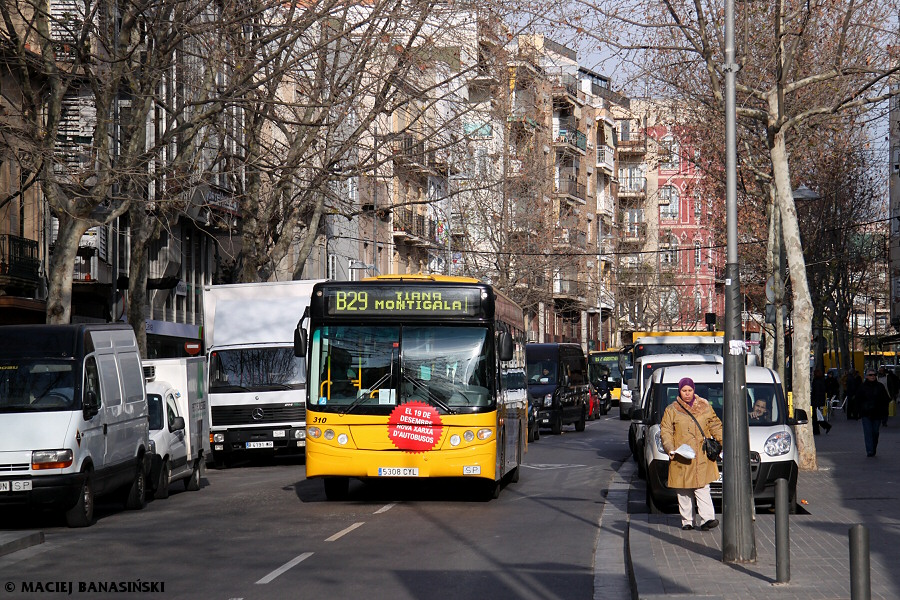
(605,364)
(405,381)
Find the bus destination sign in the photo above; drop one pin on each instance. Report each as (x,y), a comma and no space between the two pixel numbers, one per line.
(403,301)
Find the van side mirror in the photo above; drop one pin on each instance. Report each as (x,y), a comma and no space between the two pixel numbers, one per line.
(177,424)
(90,406)
(506,346)
(800,417)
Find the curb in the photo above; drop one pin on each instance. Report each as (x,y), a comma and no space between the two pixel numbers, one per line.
(13,542)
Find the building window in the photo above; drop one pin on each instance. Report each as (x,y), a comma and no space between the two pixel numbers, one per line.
(697,252)
(698,203)
(668,154)
(668,203)
(331,267)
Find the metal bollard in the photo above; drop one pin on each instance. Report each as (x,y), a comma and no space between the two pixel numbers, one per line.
(782,532)
(860,583)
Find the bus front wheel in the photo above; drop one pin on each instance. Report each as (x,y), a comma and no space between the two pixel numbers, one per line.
(337,488)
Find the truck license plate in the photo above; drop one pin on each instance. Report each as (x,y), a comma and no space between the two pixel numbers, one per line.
(260,445)
(15,486)
(398,471)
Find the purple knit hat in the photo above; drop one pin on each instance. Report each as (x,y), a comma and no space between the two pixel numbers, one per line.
(686,381)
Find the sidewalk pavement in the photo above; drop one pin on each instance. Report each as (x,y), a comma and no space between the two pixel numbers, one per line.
(848,488)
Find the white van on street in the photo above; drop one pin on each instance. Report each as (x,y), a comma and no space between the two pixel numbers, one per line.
(73,418)
(773,445)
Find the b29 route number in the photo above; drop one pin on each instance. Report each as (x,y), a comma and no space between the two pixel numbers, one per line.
(349,301)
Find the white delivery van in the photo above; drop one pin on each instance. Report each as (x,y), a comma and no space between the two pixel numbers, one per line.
(179,422)
(773,446)
(637,391)
(73,417)
(257,386)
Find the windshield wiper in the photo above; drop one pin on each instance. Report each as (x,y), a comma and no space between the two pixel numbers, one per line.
(362,397)
(429,395)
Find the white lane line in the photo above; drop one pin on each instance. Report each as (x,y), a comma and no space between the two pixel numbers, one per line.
(385,508)
(341,534)
(288,565)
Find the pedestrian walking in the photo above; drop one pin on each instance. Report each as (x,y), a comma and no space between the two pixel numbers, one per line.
(872,400)
(853,383)
(818,399)
(687,422)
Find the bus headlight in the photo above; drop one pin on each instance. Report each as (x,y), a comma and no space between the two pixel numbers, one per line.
(778,444)
(454,440)
(548,400)
(329,434)
(469,435)
(484,434)
(314,432)
(342,439)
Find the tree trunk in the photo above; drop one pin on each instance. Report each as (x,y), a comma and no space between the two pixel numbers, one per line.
(144,228)
(803,309)
(65,249)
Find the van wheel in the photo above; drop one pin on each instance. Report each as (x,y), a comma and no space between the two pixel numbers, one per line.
(162,486)
(652,507)
(579,425)
(82,514)
(192,483)
(556,425)
(537,432)
(337,488)
(137,492)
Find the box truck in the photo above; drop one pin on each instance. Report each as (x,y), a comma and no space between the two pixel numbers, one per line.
(256,385)
(179,422)
(73,418)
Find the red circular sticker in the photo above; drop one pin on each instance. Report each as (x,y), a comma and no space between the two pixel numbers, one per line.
(415,427)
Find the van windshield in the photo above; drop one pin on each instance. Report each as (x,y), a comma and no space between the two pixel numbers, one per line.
(36,385)
(764,403)
(541,366)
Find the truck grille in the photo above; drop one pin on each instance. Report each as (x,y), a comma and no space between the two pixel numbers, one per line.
(252,415)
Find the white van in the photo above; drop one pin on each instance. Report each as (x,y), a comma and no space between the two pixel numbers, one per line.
(637,390)
(773,447)
(73,418)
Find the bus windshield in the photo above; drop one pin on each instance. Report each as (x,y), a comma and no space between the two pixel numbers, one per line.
(370,369)
(710,345)
(605,366)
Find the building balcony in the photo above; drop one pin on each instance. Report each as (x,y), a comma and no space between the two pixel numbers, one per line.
(413,228)
(410,150)
(635,144)
(634,233)
(571,188)
(569,138)
(567,289)
(570,236)
(565,86)
(633,187)
(19,262)
(606,158)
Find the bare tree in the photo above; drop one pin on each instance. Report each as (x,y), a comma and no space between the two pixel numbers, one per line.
(799,61)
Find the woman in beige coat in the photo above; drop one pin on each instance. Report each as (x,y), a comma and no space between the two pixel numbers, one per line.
(690,478)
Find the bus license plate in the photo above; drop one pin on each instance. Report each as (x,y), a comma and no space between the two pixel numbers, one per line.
(15,486)
(398,471)
(472,470)
(260,445)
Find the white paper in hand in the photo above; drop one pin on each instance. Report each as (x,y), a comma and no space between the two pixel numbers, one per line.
(686,451)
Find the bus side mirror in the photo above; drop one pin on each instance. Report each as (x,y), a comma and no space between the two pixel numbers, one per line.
(299,342)
(506,346)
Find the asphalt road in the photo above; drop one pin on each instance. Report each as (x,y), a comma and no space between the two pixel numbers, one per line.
(264,532)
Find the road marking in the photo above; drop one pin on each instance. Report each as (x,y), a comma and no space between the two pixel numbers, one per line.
(340,534)
(545,467)
(288,565)
(385,508)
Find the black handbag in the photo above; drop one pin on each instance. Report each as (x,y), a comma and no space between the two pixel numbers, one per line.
(711,446)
